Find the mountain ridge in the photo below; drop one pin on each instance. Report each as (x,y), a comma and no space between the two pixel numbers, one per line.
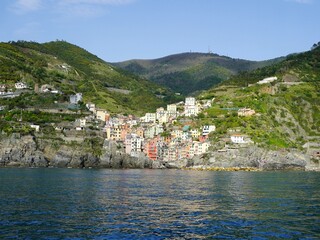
(190,72)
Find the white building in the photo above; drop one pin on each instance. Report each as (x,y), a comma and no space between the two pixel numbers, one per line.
(191,108)
(267,80)
(133,144)
(91,107)
(190,101)
(74,99)
(172,110)
(149,117)
(203,147)
(46,88)
(160,111)
(36,127)
(198,148)
(20,85)
(237,138)
(207,129)
(191,111)
(153,131)
(162,115)
(163,118)
(132,122)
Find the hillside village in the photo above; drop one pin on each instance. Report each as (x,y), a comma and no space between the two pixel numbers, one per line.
(65,102)
(166,134)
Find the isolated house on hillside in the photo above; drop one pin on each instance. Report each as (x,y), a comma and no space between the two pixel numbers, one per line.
(91,107)
(240,139)
(74,99)
(245,112)
(35,127)
(20,85)
(267,80)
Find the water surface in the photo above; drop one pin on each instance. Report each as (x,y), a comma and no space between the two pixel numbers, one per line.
(158,204)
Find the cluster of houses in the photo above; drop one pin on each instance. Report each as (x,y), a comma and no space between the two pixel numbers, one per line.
(46,88)
(18,86)
(5,92)
(155,135)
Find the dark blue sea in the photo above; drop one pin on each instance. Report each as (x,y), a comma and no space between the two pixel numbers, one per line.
(158,204)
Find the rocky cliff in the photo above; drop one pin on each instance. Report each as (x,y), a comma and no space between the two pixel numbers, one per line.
(29,151)
(254,157)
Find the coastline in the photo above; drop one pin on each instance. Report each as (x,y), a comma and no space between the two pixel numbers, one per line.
(30,151)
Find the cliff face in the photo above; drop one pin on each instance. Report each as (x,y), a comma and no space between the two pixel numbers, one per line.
(254,157)
(19,151)
(28,151)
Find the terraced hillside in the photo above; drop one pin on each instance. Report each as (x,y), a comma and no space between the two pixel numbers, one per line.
(288,109)
(72,69)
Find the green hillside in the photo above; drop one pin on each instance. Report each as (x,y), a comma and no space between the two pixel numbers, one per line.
(301,67)
(190,72)
(72,69)
(288,109)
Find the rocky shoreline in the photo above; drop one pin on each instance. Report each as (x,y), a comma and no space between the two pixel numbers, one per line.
(30,151)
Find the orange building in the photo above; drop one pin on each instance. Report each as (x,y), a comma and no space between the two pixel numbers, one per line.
(151,149)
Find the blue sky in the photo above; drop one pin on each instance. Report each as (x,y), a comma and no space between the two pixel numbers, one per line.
(117,30)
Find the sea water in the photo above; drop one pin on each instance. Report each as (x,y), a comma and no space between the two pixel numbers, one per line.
(158,204)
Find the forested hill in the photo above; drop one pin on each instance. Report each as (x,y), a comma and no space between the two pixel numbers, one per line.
(72,69)
(190,72)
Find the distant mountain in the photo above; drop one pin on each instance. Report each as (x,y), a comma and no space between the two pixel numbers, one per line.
(190,72)
(72,69)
